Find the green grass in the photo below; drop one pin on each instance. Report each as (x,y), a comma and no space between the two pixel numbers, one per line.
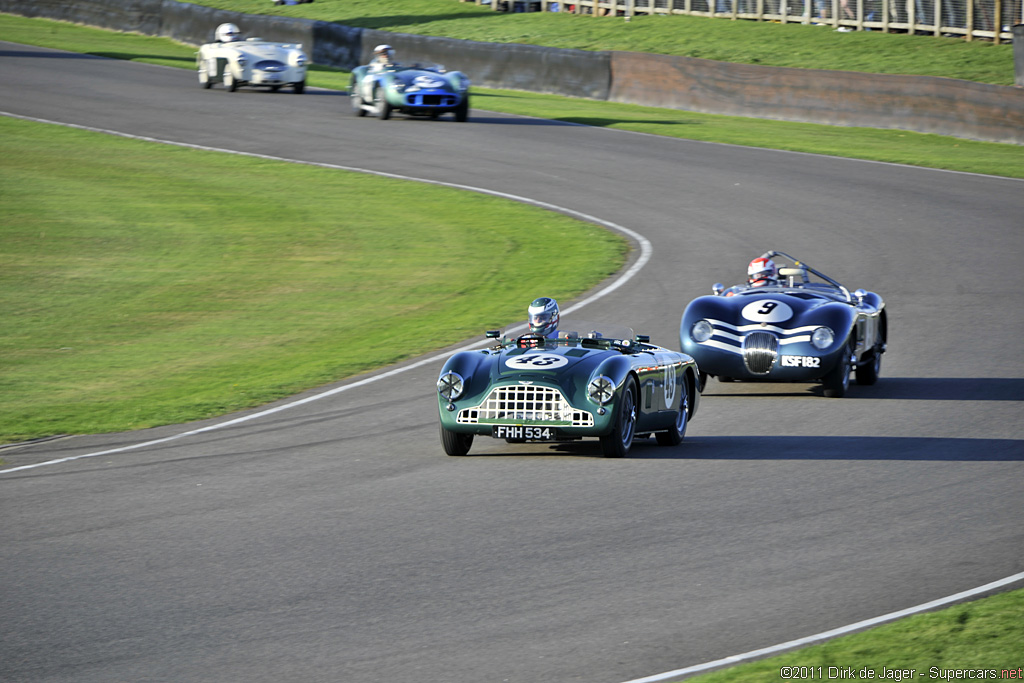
(917,149)
(986,634)
(150,284)
(744,42)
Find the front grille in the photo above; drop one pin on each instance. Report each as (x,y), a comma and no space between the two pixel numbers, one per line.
(760,350)
(432,100)
(271,65)
(526,403)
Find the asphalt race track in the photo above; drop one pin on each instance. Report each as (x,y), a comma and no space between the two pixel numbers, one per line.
(334,541)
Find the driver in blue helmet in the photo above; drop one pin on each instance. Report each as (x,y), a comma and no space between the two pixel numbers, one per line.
(543,317)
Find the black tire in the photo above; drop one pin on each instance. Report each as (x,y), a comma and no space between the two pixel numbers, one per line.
(462,111)
(299,88)
(204,77)
(454,443)
(675,436)
(355,100)
(702,381)
(868,371)
(382,104)
(618,443)
(837,381)
(229,81)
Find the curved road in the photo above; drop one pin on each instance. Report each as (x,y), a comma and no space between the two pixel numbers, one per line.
(334,541)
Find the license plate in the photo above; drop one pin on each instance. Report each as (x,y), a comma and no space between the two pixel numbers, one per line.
(523,433)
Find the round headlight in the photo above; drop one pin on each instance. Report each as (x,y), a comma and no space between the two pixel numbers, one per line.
(601,390)
(822,338)
(242,61)
(701,331)
(450,385)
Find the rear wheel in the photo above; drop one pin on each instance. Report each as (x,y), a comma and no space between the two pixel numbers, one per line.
(837,381)
(455,443)
(675,436)
(617,444)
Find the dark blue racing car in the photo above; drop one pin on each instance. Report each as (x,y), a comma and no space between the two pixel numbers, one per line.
(798,326)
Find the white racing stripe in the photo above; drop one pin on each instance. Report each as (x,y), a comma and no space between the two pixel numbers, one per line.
(841,631)
(645,256)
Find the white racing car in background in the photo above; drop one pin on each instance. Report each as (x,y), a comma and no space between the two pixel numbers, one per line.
(234,61)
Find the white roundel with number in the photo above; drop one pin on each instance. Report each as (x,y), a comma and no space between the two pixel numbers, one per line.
(428,82)
(536,361)
(767,311)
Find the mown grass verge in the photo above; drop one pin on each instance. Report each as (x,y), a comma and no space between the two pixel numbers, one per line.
(903,147)
(980,640)
(144,284)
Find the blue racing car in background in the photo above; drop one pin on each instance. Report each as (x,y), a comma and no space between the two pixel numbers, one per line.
(417,90)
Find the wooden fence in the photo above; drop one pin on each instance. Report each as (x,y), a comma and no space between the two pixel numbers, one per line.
(972,19)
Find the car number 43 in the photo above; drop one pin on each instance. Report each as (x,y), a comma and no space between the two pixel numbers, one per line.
(527,433)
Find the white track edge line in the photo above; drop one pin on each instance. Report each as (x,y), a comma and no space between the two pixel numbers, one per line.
(842,630)
(645,255)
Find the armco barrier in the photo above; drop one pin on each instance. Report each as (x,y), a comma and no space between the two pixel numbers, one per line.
(141,16)
(928,105)
(577,73)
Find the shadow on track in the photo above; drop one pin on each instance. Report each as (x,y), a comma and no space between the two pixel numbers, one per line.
(777,448)
(888,388)
(48,55)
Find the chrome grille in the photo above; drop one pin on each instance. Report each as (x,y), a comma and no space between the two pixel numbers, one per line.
(271,65)
(760,349)
(526,403)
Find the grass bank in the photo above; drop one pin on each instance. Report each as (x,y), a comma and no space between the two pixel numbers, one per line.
(916,149)
(154,285)
(742,42)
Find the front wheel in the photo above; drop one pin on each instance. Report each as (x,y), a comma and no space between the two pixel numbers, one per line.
(837,381)
(867,373)
(462,110)
(675,436)
(618,443)
(355,100)
(454,443)
(382,104)
(229,81)
(204,78)
(299,88)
